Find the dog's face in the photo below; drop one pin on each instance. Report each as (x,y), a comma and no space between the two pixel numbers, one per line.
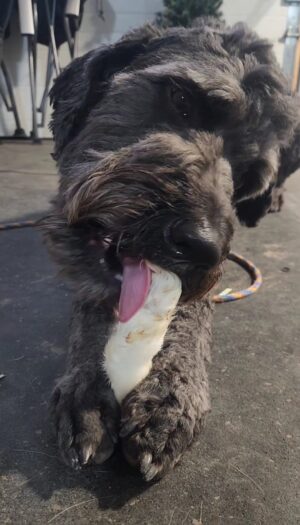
(157,138)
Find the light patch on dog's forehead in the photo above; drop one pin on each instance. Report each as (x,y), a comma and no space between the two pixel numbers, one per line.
(132,345)
(223,81)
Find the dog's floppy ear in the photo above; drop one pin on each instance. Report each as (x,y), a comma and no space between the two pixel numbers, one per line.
(81,85)
(250,211)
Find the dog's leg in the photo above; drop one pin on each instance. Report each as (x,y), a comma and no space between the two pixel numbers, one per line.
(161,416)
(84,409)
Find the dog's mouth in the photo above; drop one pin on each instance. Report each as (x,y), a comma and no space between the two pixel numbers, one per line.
(132,277)
(135,277)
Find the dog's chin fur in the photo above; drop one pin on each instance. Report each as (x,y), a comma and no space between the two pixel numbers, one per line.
(164,128)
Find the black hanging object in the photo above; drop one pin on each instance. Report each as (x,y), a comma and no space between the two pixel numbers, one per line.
(43,36)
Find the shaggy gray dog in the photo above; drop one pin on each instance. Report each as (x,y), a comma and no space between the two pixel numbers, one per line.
(159,139)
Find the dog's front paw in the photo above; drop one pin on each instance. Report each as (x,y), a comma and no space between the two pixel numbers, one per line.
(86,417)
(156,427)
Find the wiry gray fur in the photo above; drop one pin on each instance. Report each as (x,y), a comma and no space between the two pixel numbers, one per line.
(135,159)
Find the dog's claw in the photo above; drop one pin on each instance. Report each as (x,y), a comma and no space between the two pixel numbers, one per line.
(148,469)
(146,461)
(84,433)
(151,472)
(71,458)
(85,454)
(76,464)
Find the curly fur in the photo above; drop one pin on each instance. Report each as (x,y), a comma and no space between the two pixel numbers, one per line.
(164,128)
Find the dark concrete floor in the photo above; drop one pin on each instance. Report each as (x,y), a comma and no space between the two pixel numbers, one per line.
(245,467)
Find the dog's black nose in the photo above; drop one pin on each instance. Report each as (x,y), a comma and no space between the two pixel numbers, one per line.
(197,245)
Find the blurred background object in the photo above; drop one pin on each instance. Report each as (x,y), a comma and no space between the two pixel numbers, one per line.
(6,87)
(41,38)
(47,22)
(291,39)
(183,12)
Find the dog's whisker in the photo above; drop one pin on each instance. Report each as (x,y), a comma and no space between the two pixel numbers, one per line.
(119,243)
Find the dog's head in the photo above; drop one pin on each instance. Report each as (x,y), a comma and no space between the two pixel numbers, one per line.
(157,138)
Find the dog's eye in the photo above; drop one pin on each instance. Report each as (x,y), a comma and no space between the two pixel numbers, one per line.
(180,101)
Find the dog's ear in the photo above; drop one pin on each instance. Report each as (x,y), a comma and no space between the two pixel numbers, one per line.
(250,211)
(241,41)
(82,84)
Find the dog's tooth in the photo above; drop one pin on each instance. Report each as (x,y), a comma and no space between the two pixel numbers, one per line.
(102,260)
(106,242)
(119,277)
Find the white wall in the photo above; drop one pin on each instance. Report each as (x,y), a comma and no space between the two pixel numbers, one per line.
(267,17)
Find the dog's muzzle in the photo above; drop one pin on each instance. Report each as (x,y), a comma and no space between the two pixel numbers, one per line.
(191,243)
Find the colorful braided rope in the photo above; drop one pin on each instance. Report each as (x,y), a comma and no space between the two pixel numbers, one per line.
(223,297)
(256,281)
(14,225)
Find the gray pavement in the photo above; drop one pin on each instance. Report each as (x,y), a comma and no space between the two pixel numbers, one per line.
(245,467)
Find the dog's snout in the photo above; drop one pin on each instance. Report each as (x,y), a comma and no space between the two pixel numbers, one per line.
(189,241)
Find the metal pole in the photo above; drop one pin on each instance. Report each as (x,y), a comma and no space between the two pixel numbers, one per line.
(52,43)
(10,102)
(31,66)
(291,36)
(13,106)
(27,19)
(42,108)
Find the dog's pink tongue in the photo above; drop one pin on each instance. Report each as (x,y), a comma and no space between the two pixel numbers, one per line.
(135,287)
